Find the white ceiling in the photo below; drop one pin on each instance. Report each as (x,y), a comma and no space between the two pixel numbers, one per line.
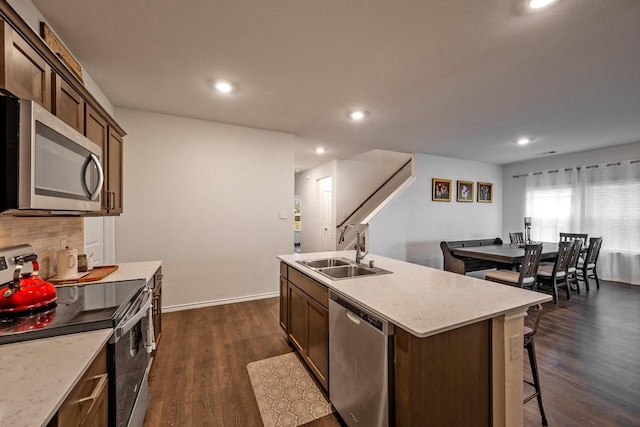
(457,78)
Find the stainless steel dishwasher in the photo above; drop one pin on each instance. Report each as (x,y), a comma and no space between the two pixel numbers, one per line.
(360,364)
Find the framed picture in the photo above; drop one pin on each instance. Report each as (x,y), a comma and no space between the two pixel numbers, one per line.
(465,191)
(485,192)
(441,191)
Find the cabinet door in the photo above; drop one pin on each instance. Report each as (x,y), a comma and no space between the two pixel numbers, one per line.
(298,318)
(87,403)
(25,73)
(318,341)
(114,172)
(68,105)
(157,306)
(284,309)
(98,413)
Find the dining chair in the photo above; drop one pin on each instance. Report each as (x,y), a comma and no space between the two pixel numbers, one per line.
(572,271)
(555,276)
(588,264)
(531,351)
(516,237)
(570,237)
(526,277)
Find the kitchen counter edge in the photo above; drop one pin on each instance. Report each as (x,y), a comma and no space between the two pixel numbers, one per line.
(422,300)
(57,362)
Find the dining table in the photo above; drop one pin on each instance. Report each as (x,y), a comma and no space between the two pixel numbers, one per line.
(508,255)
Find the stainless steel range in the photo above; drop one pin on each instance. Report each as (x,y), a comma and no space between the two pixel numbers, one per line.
(123,306)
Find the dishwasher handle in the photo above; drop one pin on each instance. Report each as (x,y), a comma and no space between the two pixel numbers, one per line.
(355,319)
(357,314)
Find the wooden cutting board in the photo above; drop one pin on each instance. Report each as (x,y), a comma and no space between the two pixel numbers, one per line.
(97,273)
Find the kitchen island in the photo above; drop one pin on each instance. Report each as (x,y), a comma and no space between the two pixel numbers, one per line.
(447,325)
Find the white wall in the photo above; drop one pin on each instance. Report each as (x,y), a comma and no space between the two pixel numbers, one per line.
(306,186)
(514,188)
(411,227)
(361,175)
(205,198)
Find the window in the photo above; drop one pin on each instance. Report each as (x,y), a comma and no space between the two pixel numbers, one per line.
(612,210)
(550,211)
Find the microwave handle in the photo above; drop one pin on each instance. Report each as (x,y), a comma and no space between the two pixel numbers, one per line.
(95,160)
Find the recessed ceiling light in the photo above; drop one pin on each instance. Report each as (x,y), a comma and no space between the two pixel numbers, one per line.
(320,150)
(224,86)
(523,141)
(539,4)
(357,115)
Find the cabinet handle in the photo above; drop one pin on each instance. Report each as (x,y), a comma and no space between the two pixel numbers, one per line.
(112,204)
(101,383)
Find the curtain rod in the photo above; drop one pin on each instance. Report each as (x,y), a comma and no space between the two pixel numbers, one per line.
(632,162)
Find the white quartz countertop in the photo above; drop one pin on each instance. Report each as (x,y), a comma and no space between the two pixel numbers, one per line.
(132,271)
(37,376)
(421,300)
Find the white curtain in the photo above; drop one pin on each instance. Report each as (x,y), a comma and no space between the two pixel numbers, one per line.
(601,201)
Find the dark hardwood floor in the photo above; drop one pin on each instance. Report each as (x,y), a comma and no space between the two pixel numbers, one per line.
(588,352)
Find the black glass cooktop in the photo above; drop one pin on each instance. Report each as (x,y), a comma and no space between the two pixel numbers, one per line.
(77,309)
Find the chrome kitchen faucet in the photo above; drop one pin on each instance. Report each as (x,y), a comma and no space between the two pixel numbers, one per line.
(359,254)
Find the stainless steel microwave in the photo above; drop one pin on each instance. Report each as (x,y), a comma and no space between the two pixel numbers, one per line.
(47,166)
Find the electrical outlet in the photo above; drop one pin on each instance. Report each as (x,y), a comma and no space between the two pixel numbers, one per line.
(63,243)
(284,215)
(515,347)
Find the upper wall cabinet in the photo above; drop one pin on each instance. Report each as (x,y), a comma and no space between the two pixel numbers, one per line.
(30,70)
(25,73)
(68,105)
(97,129)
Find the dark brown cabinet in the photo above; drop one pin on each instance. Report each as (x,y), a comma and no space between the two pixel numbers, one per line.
(284,298)
(113,167)
(87,404)
(156,307)
(68,105)
(305,307)
(25,73)
(97,129)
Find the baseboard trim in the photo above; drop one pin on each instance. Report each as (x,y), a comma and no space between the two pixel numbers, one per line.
(194,305)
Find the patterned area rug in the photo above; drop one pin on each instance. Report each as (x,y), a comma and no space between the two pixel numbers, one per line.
(286,394)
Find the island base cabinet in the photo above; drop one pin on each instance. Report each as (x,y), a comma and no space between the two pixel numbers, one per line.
(284,295)
(444,380)
(87,404)
(308,329)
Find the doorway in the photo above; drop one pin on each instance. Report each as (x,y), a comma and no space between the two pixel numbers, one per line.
(325,193)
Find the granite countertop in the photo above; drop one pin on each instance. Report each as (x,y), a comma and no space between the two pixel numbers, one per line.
(37,376)
(421,300)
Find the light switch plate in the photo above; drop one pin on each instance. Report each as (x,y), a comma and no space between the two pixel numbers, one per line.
(284,215)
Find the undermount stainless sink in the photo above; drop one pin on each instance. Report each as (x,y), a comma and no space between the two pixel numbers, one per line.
(326,262)
(345,271)
(342,268)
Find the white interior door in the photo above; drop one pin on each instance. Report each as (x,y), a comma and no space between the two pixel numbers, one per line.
(94,239)
(327,242)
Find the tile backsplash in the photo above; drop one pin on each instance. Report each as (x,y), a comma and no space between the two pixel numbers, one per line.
(45,235)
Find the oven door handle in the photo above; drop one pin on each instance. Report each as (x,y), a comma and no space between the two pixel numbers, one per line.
(143,312)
